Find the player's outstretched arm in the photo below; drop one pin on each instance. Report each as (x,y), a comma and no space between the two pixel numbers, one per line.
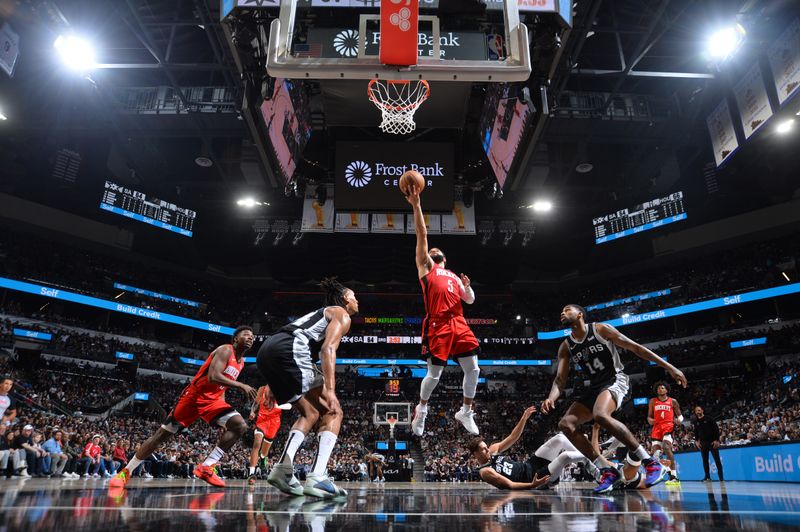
(490,476)
(610,333)
(339,326)
(217,367)
(515,435)
(651,411)
(424,261)
(560,381)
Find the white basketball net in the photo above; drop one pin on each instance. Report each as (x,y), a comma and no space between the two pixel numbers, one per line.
(398,101)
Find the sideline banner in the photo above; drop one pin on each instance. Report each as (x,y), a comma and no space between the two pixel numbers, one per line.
(774,462)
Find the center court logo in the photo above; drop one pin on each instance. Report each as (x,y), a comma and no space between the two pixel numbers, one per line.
(346,43)
(358,174)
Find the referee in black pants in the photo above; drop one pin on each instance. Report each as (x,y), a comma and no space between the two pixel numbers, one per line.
(706,433)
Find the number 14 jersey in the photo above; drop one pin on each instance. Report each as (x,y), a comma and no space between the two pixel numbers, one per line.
(597,357)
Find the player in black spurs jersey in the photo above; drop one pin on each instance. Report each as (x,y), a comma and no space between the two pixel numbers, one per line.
(593,347)
(286,361)
(545,464)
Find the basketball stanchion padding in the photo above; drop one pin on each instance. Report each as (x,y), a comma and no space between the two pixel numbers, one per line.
(399,28)
(398,100)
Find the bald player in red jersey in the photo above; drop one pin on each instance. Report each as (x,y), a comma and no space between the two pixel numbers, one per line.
(204,398)
(445,332)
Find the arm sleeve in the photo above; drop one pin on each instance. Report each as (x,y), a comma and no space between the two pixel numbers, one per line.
(467,295)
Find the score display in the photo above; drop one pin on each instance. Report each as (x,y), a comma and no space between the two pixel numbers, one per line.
(643,217)
(137,205)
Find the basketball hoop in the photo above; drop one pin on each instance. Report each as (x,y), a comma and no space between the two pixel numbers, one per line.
(398,100)
(392,421)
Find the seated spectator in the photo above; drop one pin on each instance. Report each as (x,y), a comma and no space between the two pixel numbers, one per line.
(56,460)
(23,443)
(90,459)
(119,455)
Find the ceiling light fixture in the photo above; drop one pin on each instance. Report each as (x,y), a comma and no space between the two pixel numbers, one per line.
(785,126)
(249,203)
(75,52)
(724,42)
(542,206)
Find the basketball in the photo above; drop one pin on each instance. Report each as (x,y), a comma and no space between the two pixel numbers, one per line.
(411,177)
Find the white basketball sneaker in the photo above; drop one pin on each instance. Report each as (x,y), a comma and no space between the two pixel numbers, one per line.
(323,487)
(418,423)
(468,420)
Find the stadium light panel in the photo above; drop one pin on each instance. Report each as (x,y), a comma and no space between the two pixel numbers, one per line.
(724,42)
(785,126)
(75,52)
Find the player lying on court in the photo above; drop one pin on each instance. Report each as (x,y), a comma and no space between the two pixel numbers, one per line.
(661,413)
(287,362)
(268,422)
(204,398)
(544,466)
(445,333)
(593,348)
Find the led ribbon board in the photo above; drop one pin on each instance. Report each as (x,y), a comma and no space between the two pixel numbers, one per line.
(33,335)
(66,295)
(165,297)
(631,299)
(412,362)
(747,343)
(718,302)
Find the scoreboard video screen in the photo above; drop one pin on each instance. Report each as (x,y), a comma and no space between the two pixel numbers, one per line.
(643,217)
(138,206)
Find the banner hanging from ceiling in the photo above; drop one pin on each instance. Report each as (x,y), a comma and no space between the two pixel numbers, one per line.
(723,136)
(751,96)
(784,59)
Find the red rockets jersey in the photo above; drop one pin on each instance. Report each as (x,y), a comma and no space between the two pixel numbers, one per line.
(662,411)
(200,384)
(441,290)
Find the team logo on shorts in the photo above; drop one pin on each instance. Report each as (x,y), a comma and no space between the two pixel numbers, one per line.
(346,43)
(358,174)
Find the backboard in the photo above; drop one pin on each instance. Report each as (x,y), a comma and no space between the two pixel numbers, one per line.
(302,53)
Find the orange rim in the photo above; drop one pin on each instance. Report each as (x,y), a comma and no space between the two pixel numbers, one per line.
(398,82)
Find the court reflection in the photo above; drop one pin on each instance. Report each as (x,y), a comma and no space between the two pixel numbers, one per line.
(47,505)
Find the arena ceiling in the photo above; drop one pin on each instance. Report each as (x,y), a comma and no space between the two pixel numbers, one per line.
(628,89)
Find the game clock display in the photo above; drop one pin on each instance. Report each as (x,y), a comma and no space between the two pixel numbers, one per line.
(649,215)
(137,205)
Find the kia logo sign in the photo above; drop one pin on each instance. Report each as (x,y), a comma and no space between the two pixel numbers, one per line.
(368,174)
(358,174)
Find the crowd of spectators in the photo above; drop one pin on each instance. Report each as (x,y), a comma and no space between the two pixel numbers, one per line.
(39,442)
(748,267)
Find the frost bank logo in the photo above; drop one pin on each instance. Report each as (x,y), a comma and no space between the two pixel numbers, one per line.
(358,174)
(346,43)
